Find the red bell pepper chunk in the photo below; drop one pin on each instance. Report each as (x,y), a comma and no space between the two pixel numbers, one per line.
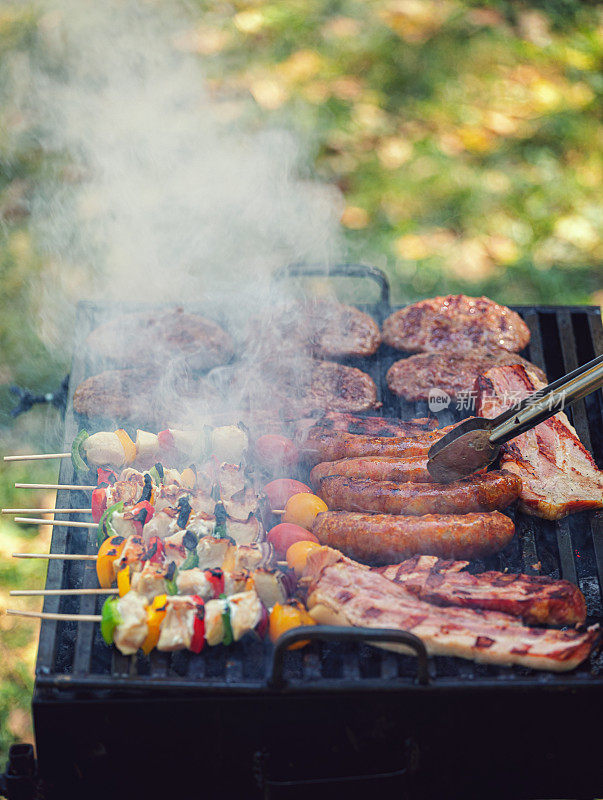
(198,638)
(166,439)
(156,550)
(99,502)
(105,476)
(216,579)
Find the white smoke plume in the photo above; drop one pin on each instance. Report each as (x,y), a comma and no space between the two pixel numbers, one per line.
(172,200)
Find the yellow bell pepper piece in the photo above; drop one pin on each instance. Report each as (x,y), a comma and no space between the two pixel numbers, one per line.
(123,581)
(188,478)
(127,444)
(109,550)
(288,615)
(155,614)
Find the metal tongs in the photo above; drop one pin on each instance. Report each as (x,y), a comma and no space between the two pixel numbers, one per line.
(476,442)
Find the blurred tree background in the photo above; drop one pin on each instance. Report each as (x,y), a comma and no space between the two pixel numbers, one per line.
(465,137)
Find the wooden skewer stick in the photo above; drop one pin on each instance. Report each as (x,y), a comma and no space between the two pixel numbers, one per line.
(56,522)
(15,612)
(46,511)
(52,592)
(69,487)
(33,457)
(82,557)
(65,556)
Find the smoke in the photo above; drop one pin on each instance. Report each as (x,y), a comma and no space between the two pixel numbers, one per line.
(161,196)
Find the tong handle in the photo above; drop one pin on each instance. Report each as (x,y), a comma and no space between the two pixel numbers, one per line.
(548,401)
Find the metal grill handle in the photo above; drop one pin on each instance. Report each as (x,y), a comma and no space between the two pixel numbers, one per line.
(337,270)
(337,633)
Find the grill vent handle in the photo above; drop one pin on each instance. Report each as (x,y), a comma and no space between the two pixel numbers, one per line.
(340,633)
(339,271)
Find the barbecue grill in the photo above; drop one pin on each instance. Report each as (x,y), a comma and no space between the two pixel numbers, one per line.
(258,721)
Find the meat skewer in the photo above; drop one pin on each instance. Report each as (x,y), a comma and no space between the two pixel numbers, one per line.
(386,538)
(115,448)
(488,491)
(538,600)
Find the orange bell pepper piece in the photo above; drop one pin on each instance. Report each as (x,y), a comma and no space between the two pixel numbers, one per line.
(123,581)
(155,615)
(288,615)
(109,550)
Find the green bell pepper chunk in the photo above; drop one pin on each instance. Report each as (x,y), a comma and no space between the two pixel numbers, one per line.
(191,561)
(227,638)
(110,618)
(77,459)
(105,529)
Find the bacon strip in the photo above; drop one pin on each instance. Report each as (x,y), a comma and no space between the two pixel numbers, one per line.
(346,593)
(558,474)
(538,600)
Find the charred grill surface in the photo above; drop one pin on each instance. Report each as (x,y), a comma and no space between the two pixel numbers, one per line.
(76,653)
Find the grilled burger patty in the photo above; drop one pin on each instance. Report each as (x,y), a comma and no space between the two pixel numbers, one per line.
(299,386)
(144,338)
(414,377)
(140,396)
(321,328)
(485,491)
(455,323)
(385,538)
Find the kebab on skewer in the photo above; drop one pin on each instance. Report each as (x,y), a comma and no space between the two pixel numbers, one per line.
(117,449)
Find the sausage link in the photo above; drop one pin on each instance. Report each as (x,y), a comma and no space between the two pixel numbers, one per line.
(385,538)
(322,444)
(375,468)
(485,491)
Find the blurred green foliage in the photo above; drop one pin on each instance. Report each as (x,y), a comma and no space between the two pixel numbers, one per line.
(466,140)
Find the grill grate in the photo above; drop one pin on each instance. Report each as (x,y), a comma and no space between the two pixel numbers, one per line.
(73,657)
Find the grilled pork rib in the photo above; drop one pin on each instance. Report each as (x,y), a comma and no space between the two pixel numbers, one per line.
(345,593)
(558,474)
(538,600)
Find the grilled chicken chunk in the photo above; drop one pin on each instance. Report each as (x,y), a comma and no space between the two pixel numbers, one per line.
(152,337)
(132,631)
(415,377)
(345,593)
(537,600)
(455,323)
(177,627)
(558,474)
(150,581)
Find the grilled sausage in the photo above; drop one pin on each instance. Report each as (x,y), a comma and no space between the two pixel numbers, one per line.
(371,425)
(486,491)
(384,538)
(321,444)
(375,468)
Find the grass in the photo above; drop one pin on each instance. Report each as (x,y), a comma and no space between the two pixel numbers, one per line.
(464,136)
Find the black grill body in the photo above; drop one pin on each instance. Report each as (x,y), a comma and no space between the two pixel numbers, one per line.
(342,716)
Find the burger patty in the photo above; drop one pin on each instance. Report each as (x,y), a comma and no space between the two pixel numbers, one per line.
(455,323)
(414,377)
(320,328)
(297,386)
(144,338)
(142,396)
